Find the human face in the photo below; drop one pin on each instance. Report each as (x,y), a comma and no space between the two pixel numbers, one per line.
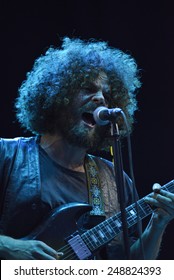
(78,125)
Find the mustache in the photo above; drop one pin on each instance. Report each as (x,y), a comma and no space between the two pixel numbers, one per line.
(89,108)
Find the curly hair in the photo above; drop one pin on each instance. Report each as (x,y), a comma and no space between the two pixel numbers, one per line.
(60,72)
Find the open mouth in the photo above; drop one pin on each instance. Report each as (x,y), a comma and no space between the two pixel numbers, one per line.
(88,119)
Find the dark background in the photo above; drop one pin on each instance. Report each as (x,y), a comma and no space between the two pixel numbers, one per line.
(144,29)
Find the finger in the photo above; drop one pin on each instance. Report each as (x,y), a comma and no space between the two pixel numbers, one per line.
(48,250)
(156,188)
(160,202)
(41,255)
(152,201)
(167,194)
(59,255)
(45,256)
(164,199)
(51,252)
(163,196)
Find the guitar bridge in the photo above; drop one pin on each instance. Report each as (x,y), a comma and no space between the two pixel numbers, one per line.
(79,247)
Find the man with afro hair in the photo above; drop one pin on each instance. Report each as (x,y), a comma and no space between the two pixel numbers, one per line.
(55,167)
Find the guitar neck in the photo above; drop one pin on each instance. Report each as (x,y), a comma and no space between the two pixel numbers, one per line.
(110,228)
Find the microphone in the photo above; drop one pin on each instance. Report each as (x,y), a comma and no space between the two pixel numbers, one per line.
(103,115)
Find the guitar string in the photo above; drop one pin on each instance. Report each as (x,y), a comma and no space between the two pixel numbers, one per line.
(68,249)
(101,226)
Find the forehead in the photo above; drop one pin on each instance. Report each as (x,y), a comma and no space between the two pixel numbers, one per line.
(102,81)
(99,79)
(102,78)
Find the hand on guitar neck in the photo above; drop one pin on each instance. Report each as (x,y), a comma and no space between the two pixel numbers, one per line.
(163,201)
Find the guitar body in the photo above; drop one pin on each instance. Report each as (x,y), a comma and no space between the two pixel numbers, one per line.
(59,225)
(60,229)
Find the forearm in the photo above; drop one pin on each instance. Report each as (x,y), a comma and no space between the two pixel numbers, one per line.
(5,242)
(17,249)
(151,241)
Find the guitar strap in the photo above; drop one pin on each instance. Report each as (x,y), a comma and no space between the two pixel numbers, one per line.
(94,186)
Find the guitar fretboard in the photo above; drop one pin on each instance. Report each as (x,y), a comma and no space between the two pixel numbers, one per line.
(110,228)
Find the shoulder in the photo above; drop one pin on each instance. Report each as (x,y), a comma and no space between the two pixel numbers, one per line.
(107,165)
(17,140)
(11,145)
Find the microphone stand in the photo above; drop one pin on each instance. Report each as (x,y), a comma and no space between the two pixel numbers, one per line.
(119,179)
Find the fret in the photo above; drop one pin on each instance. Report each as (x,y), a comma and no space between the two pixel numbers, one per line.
(90,240)
(109,229)
(115,223)
(94,238)
(146,207)
(108,233)
(133,212)
(103,233)
(113,230)
(131,216)
(99,233)
(136,211)
(98,240)
(169,186)
(142,211)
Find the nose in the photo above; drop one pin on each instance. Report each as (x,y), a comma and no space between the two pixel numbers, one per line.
(98,98)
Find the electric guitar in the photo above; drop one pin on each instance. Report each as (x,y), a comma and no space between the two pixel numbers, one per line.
(59,230)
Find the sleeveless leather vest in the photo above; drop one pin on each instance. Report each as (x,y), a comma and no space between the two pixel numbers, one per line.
(20,187)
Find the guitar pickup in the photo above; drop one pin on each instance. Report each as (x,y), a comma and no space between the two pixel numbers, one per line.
(79,247)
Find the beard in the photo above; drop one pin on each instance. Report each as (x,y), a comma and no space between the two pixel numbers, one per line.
(79,134)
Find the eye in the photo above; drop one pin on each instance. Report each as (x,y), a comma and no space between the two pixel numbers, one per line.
(90,89)
(107,95)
